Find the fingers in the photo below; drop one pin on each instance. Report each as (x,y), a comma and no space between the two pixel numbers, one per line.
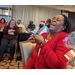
(34,36)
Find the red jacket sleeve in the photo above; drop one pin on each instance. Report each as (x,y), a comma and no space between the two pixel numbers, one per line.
(55,59)
(30,63)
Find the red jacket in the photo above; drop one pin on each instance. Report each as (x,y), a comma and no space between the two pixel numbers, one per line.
(51,55)
(3,25)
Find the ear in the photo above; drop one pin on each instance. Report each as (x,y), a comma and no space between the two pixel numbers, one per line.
(64,27)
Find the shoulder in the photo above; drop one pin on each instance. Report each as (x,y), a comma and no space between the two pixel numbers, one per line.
(16,27)
(22,25)
(6,26)
(63,34)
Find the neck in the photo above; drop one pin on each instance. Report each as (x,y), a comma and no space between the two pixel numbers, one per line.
(52,35)
(11,27)
(2,23)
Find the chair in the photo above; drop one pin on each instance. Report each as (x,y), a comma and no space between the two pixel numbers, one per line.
(15,50)
(26,48)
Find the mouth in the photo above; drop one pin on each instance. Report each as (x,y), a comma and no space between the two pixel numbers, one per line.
(53,24)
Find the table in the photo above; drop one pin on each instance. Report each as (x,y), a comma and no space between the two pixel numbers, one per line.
(22,37)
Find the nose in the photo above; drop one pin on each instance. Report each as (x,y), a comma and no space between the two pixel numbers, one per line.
(54,20)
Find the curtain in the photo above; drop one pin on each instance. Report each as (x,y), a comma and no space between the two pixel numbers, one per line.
(30,12)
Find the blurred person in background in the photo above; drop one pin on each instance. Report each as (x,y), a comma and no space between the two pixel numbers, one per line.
(10,37)
(3,23)
(41,29)
(31,26)
(48,23)
(21,26)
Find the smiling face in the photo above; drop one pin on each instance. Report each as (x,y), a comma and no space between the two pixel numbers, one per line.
(56,25)
(12,24)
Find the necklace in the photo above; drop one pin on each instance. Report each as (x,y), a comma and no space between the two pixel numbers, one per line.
(51,36)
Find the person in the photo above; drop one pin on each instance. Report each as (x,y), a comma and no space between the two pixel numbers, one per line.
(10,37)
(2,23)
(21,26)
(50,49)
(31,26)
(48,23)
(41,29)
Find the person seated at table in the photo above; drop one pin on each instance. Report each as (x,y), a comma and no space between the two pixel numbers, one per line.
(21,26)
(31,26)
(2,23)
(50,49)
(10,37)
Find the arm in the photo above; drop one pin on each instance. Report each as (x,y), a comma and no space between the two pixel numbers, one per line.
(5,30)
(55,59)
(16,31)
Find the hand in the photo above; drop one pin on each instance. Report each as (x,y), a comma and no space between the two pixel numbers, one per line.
(2,27)
(11,33)
(38,38)
(11,30)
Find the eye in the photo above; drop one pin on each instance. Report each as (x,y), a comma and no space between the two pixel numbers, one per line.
(58,19)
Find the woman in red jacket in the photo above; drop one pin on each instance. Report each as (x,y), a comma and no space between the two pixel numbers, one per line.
(3,24)
(50,49)
(10,37)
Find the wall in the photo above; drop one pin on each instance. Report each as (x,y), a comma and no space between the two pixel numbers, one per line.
(72,19)
(26,13)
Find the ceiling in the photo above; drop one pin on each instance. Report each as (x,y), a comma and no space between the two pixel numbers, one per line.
(70,8)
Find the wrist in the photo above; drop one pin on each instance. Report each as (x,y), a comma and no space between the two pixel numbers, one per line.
(42,43)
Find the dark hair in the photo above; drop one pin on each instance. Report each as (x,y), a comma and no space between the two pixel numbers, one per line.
(19,20)
(4,19)
(10,21)
(67,24)
(49,20)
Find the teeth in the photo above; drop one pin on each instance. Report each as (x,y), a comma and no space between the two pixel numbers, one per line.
(53,24)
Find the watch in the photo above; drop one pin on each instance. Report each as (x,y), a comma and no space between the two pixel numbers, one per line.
(42,43)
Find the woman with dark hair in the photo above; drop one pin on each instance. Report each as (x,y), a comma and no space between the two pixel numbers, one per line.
(48,23)
(2,23)
(50,49)
(10,37)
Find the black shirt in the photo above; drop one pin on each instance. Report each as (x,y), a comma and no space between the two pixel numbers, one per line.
(31,26)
